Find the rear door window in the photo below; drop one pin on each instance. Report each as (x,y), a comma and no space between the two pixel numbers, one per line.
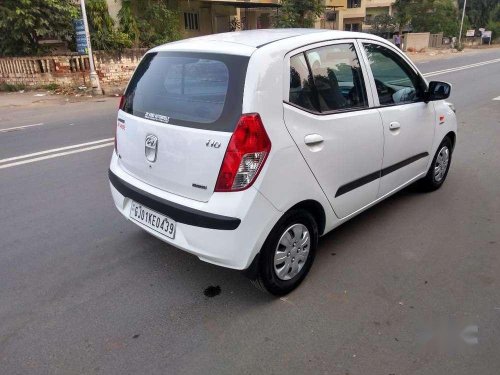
(337,77)
(196,90)
(327,79)
(302,91)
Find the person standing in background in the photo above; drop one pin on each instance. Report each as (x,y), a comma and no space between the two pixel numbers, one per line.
(397,40)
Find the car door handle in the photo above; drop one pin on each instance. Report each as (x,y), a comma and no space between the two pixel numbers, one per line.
(313,139)
(394,126)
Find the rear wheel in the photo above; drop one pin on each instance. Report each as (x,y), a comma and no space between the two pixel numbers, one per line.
(439,168)
(288,253)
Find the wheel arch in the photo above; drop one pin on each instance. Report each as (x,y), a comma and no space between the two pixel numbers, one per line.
(315,209)
(310,205)
(453,137)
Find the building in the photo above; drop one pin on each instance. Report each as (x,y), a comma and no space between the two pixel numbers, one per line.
(330,19)
(352,15)
(202,17)
(375,8)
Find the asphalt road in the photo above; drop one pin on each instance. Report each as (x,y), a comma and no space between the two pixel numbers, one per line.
(409,287)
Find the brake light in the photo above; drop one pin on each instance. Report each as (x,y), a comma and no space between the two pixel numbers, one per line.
(245,155)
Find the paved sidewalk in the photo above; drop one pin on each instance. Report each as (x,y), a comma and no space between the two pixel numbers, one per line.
(27,98)
(441,54)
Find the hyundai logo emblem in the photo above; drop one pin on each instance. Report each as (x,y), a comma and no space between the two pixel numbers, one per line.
(151,147)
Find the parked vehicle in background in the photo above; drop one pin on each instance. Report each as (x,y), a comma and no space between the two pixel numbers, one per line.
(244,148)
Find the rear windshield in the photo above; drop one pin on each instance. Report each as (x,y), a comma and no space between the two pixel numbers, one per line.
(197,90)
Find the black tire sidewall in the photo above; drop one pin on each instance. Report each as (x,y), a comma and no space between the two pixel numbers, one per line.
(429,183)
(446,142)
(268,277)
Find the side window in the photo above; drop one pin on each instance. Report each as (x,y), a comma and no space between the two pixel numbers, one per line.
(337,77)
(301,88)
(396,81)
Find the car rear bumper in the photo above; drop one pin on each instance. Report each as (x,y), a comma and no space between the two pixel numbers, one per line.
(228,230)
(180,214)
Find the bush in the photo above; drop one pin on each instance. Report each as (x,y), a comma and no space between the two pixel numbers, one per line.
(24,24)
(494,27)
(148,23)
(4,86)
(103,34)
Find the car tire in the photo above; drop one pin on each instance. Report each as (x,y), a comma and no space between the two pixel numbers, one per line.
(439,168)
(288,253)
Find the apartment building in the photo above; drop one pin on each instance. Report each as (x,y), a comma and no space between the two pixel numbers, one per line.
(202,17)
(330,19)
(374,8)
(352,15)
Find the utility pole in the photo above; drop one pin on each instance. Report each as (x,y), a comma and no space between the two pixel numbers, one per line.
(94,78)
(462,25)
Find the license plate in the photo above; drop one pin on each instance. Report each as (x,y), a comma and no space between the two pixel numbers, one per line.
(153,220)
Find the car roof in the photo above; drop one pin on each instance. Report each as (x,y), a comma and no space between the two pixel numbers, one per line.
(246,42)
(257,38)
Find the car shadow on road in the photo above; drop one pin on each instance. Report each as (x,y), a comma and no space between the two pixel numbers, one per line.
(382,211)
(175,268)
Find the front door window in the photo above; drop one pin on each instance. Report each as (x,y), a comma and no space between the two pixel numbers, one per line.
(396,82)
(409,122)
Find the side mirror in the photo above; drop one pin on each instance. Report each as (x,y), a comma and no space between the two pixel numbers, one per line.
(438,91)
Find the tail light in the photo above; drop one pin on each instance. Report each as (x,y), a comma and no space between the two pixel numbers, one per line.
(245,155)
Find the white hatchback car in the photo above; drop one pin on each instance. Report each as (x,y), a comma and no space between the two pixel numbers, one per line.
(243,148)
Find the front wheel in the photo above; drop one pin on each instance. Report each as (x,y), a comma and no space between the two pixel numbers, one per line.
(439,168)
(288,253)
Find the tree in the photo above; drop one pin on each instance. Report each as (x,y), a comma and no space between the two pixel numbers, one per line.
(403,13)
(483,13)
(298,13)
(24,23)
(436,16)
(494,23)
(480,12)
(383,24)
(128,22)
(432,16)
(103,34)
(149,22)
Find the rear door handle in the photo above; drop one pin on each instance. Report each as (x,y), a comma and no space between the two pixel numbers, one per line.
(394,126)
(313,139)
